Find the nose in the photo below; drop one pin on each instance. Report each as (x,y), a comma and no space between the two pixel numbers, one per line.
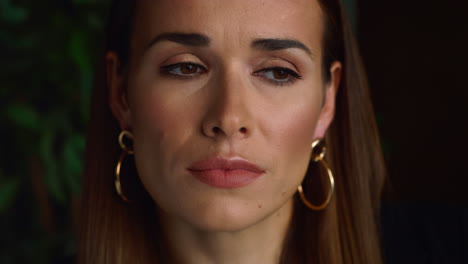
(229,113)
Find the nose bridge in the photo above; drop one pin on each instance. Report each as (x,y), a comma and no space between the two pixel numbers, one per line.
(233,90)
(229,112)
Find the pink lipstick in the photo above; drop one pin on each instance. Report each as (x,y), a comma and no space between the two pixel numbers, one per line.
(225,173)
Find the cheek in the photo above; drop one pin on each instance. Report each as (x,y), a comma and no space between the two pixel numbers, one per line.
(293,128)
(162,129)
(153,120)
(289,129)
(160,115)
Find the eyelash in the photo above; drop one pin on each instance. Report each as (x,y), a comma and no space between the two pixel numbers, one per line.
(292,75)
(169,70)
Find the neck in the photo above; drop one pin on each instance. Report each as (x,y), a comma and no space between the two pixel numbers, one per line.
(261,242)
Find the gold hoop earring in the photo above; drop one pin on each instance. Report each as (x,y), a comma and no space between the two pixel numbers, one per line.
(125,151)
(319,158)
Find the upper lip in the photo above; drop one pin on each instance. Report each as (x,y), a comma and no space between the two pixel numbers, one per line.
(220,163)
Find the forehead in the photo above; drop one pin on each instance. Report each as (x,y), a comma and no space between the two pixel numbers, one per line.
(230,22)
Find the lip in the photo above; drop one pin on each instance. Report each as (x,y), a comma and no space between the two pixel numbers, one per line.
(225,173)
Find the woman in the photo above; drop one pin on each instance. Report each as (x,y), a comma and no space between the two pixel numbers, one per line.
(228,153)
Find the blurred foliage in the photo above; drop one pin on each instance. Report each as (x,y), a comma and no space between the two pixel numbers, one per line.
(48,52)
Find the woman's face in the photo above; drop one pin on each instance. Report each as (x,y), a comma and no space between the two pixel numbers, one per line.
(212,83)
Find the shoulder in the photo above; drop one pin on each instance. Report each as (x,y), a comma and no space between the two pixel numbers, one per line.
(426,233)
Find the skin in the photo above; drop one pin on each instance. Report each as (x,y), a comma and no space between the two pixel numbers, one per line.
(231,108)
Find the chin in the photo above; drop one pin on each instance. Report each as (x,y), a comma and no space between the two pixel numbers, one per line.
(225,215)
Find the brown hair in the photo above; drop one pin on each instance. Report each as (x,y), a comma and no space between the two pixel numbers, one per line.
(346,232)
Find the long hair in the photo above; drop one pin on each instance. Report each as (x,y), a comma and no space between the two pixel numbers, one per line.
(345,232)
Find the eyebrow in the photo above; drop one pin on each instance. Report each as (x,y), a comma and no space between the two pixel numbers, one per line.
(200,40)
(279,44)
(188,39)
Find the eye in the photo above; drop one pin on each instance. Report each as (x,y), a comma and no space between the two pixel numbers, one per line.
(279,75)
(183,69)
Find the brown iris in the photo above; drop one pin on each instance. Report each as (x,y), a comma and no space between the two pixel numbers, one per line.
(188,68)
(280,74)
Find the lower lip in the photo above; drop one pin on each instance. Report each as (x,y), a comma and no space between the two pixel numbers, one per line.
(227,179)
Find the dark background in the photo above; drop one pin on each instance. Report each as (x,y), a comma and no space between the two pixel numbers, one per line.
(415,53)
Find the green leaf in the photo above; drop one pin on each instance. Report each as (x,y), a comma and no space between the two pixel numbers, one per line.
(12,14)
(80,54)
(78,51)
(8,191)
(51,174)
(24,116)
(72,153)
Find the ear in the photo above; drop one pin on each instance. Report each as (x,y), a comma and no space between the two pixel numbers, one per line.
(328,108)
(118,101)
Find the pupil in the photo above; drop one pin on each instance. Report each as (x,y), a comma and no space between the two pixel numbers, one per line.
(280,74)
(188,68)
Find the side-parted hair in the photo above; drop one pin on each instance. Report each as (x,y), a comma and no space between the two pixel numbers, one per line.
(346,232)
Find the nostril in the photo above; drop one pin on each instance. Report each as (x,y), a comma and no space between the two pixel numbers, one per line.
(216,130)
